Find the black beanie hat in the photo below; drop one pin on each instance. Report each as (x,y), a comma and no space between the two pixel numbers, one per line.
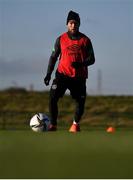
(73,16)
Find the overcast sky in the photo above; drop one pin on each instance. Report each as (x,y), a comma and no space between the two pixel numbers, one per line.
(29,28)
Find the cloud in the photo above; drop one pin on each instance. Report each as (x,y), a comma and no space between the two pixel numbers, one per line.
(21,66)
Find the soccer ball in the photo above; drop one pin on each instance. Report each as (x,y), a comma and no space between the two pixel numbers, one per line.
(39,122)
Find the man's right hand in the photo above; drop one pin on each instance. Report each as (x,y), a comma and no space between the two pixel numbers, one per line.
(47,79)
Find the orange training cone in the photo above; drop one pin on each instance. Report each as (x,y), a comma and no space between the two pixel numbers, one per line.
(110,129)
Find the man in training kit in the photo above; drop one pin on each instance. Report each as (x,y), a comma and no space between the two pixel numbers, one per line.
(75,53)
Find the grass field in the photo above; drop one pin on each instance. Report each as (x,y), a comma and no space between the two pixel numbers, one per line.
(88,154)
(17,107)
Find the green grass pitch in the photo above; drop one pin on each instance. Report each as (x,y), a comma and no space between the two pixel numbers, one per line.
(88,154)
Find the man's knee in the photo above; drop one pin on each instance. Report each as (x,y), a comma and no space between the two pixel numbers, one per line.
(53,99)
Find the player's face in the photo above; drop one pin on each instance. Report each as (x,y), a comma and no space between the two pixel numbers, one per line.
(73,26)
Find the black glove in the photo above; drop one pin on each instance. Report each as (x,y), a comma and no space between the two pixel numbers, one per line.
(77,65)
(47,79)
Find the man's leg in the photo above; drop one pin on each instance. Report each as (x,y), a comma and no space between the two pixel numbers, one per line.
(53,109)
(80,103)
(57,90)
(78,92)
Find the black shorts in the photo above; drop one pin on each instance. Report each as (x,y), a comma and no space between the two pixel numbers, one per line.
(61,83)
